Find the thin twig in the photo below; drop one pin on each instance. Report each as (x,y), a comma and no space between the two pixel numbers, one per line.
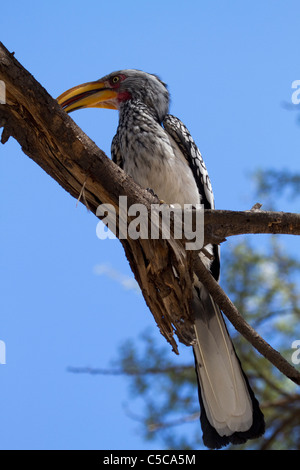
(82,195)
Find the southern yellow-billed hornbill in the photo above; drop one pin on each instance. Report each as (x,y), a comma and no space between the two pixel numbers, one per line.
(157,150)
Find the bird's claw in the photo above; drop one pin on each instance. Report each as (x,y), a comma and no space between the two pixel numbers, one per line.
(150,190)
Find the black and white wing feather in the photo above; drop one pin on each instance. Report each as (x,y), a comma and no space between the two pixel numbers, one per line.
(178,131)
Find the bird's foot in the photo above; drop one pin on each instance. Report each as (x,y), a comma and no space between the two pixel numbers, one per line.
(150,190)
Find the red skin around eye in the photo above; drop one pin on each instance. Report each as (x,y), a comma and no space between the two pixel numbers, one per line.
(116,85)
(124,96)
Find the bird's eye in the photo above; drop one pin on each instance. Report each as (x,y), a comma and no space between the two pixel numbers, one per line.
(115,79)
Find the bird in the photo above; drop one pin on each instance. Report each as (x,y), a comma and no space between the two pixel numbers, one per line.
(157,150)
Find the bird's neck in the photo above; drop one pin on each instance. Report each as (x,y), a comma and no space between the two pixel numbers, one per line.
(129,109)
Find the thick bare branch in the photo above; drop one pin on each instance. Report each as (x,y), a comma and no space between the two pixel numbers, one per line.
(52,139)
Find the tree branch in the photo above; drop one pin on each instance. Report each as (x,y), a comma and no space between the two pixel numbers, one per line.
(220,224)
(233,315)
(52,139)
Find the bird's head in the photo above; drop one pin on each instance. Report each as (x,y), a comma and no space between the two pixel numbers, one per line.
(116,88)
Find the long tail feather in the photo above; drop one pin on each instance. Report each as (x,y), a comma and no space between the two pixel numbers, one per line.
(229,410)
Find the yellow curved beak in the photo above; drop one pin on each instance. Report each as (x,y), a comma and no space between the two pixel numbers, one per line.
(88,95)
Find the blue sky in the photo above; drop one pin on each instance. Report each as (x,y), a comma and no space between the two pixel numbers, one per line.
(229,67)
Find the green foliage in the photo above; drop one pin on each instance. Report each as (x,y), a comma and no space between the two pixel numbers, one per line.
(271,183)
